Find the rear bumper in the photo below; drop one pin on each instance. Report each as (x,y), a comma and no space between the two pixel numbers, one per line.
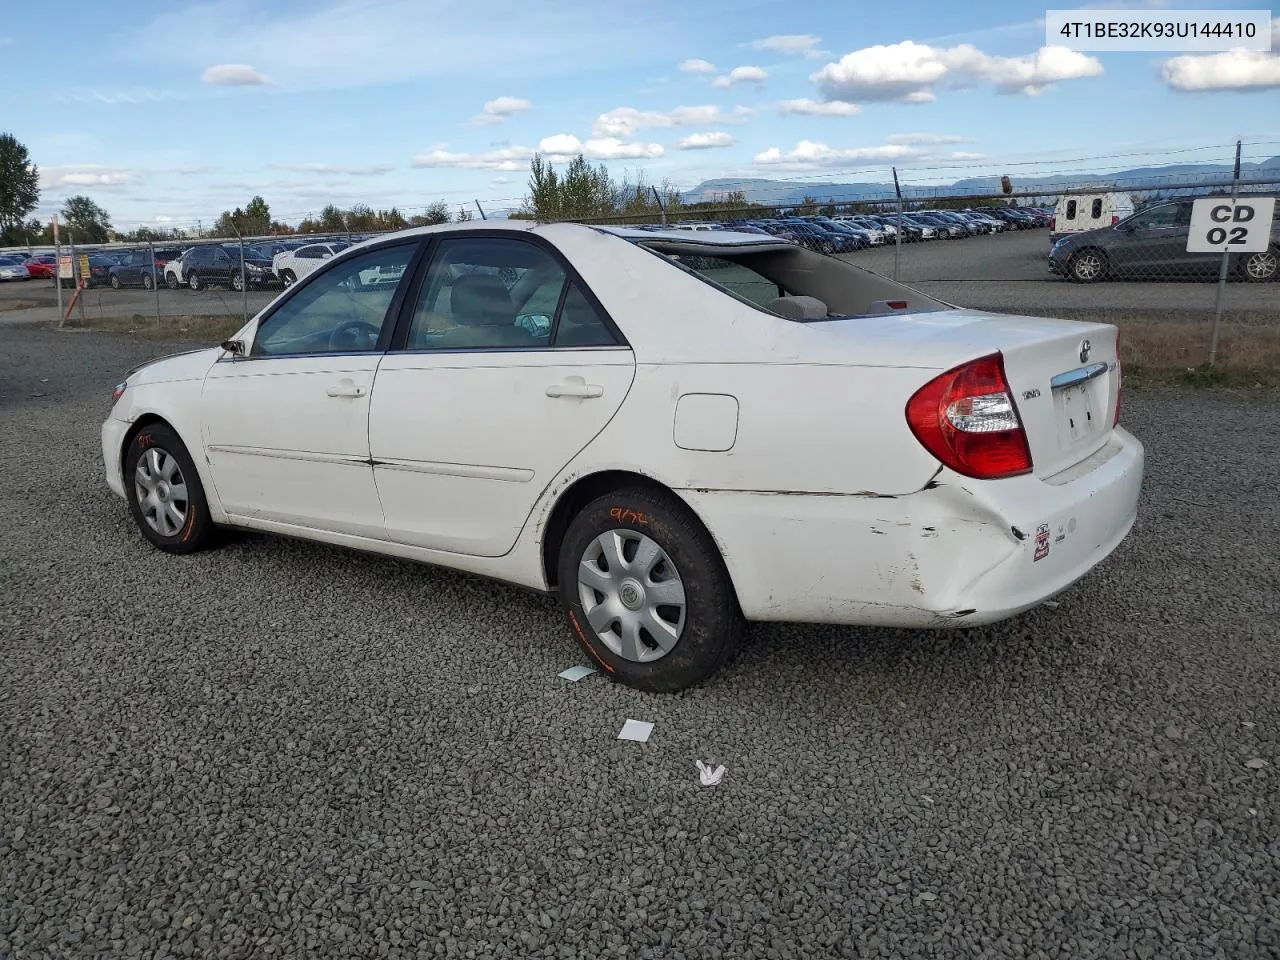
(960,553)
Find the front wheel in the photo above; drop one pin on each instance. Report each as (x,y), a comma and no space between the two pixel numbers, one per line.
(171,281)
(646,591)
(1261,267)
(237,282)
(115,282)
(166,497)
(193,280)
(289,277)
(1088,266)
(147,282)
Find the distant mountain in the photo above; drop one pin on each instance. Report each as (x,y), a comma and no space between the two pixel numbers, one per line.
(1165,178)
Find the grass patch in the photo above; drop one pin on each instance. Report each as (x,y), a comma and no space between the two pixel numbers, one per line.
(213,329)
(1178,352)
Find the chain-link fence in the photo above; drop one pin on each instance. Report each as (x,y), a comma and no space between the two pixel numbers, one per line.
(1116,252)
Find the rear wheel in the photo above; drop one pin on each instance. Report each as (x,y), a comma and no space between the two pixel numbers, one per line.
(1088,266)
(165,495)
(147,282)
(289,277)
(171,281)
(646,591)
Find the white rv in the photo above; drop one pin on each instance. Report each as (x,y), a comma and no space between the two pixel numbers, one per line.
(1076,213)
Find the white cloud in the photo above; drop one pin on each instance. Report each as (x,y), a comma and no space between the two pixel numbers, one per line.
(931,138)
(1228,70)
(805,107)
(565,146)
(625,121)
(697,65)
(355,169)
(808,154)
(907,71)
(507,159)
(234,75)
(557,148)
(740,75)
(964,155)
(791,44)
(85,175)
(500,110)
(706,141)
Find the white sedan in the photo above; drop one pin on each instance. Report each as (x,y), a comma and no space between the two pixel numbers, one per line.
(292,265)
(676,431)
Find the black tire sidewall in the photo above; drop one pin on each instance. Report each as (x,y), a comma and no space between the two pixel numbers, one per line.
(197,531)
(713,620)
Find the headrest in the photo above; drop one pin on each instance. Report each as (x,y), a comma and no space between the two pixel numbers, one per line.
(799,308)
(481,300)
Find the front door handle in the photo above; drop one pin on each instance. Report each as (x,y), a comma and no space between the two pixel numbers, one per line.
(575,387)
(346,388)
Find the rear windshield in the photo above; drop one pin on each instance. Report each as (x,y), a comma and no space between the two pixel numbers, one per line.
(762,279)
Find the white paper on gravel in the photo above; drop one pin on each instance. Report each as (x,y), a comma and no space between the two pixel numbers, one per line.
(637,730)
(574,674)
(708,777)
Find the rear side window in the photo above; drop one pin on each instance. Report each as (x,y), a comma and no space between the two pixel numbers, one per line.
(1096,211)
(734,277)
(1071,209)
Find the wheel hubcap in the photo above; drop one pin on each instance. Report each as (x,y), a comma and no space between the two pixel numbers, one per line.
(1262,265)
(161,492)
(632,595)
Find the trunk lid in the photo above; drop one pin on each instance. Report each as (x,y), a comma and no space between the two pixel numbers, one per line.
(1065,394)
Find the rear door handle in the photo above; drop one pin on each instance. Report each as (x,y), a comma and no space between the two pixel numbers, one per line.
(346,389)
(575,387)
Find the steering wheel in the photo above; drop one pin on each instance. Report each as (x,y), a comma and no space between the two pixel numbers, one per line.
(349,335)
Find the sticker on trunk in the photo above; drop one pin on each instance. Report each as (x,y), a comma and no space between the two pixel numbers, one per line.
(1042,542)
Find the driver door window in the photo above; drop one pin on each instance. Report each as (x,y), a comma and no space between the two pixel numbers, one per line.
(342,310)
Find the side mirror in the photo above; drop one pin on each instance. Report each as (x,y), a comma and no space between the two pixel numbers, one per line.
(234,347)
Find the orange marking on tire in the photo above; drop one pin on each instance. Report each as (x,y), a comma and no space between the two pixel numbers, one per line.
(578,627)
(625,515)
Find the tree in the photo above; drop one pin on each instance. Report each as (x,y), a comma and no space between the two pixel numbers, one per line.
(86,222)
(257,218)
(464,214)
(19,188)
(435,213)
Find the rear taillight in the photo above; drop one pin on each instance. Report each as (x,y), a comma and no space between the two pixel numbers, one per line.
(1053,224)
(1114,219)
(967,419)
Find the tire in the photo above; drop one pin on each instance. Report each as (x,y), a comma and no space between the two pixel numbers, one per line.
(171,281)
(115,282)
(1088,266)
(237,283)
(288,277)
(1260,267)
(701,633)
(147,281)
(156,466)
(193,280)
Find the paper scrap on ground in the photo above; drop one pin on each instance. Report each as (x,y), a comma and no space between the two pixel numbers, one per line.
(637,730)
(574,674)
(1052,604)
(1257,763)
(708,777)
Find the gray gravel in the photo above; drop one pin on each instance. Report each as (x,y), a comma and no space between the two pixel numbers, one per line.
(280,749)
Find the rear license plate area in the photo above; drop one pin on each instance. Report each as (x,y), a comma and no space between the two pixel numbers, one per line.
(1078,416)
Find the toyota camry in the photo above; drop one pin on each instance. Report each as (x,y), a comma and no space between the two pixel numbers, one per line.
(677,432)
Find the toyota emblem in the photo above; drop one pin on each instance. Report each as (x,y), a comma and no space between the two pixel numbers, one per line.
(1085,347)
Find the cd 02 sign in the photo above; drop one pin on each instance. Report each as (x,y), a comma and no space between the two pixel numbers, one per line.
(1223,225)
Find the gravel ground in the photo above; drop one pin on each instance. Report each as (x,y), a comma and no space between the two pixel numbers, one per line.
(280,749)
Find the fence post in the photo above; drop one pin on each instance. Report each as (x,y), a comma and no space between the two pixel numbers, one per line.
(244,281)
(897,239)
(155,279)
(662,209)
(57,266)
(1222,270)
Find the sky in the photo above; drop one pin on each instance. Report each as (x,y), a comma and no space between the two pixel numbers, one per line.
(167,113)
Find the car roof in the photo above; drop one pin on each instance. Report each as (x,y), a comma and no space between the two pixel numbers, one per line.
(727,240)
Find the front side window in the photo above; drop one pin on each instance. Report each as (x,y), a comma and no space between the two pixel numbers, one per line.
(340,310)
(1164,216)
(1071,209)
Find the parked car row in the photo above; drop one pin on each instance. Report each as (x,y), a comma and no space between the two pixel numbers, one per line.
(847,233)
